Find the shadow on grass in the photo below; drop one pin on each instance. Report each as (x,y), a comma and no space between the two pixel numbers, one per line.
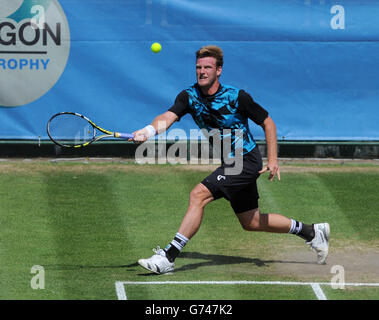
(220,260)
(210,260)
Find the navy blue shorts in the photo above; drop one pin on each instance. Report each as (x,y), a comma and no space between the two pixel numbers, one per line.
(240,190)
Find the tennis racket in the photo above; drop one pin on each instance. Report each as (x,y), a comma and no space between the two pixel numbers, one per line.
(73,130)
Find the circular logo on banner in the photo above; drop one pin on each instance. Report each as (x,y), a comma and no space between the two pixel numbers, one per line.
(34,49)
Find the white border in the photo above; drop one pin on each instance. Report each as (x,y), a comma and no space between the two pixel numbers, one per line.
(316,286)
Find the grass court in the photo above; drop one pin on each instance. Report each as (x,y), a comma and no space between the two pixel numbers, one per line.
(86,223)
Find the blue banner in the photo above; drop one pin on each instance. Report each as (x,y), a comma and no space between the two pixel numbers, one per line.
(313,64)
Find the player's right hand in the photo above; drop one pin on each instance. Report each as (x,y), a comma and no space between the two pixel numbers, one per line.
(140,135)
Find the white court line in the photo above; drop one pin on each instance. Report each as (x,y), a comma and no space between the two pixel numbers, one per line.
(318,291)
(316,286)
(120,290)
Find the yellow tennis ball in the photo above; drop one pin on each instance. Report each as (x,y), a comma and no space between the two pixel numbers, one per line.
(156,47)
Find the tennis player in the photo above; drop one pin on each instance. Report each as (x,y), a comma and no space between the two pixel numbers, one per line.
(213,105)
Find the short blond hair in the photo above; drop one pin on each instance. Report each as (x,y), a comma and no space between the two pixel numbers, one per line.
(211,51)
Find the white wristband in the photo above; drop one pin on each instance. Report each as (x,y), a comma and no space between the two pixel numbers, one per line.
(151,130)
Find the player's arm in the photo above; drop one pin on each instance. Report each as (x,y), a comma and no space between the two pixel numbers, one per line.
(164,121)
(160,124)
(272,166)
(260,116)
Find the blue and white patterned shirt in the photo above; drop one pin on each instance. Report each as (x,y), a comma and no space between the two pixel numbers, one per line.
(227,111)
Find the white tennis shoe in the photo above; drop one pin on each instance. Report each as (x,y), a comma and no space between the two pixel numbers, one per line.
(320,242)
(158,263)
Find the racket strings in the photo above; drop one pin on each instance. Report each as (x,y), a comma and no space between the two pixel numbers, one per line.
(71,130)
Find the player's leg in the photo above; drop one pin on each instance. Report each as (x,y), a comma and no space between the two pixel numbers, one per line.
(200,196)
(316,235)
(163,260)
(244,202)
(254,220)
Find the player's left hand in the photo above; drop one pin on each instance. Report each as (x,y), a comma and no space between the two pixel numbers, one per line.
(274,170)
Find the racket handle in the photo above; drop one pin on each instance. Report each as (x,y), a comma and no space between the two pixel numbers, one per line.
(124,135)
